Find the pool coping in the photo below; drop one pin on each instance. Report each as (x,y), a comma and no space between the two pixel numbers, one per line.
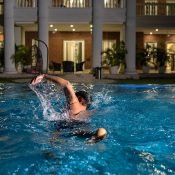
(89,78)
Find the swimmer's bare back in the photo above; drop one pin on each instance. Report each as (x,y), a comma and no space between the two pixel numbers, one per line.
(82,115)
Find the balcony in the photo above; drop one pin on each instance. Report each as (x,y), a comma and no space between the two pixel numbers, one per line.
(70,10)
(114,11)
(26,3)
(155,14)
(156,9)
(25,11)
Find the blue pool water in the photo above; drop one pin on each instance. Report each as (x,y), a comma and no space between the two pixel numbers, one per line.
(139,119)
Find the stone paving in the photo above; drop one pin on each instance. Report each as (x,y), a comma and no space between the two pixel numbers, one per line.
(75,78)
(87,77)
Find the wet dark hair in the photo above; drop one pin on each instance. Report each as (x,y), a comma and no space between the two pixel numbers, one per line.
(86,96)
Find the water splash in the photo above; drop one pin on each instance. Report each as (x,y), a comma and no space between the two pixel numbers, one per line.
(101,98)
(53,100)
(50,98)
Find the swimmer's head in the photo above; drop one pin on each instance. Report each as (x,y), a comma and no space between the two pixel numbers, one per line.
(84,98)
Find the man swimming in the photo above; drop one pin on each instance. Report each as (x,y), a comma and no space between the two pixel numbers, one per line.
(78,102)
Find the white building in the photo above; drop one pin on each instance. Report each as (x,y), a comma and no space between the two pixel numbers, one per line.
(78,30)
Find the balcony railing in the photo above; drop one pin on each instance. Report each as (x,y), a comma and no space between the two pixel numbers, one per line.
(26,3)
(71,3)
(113,3)
(156,9)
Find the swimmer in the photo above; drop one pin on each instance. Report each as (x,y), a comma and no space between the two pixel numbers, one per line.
(78,102)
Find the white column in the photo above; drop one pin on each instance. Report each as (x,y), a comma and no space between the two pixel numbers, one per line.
(131,36)
(43,31)
(9,38)
(97,37)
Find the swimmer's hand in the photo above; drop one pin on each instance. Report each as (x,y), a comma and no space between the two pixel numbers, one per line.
(98,136)
(37,79)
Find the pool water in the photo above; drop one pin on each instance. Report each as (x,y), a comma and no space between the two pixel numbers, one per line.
(139,119)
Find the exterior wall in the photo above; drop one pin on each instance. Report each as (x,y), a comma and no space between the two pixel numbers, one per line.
(140,1)
(28,38)
(111,36)
(1,37)
(162,1)
(159,38)
(139,40)
(56,43)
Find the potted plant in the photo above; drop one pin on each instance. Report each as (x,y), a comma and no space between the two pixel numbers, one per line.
(21,57)
(143,56)
(1,59)
(110,59)
(115,57)
(121,54)
(161,57)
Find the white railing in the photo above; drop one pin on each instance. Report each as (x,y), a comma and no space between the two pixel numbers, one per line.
(156,9)
(26,3)
(113,3)
(71,3)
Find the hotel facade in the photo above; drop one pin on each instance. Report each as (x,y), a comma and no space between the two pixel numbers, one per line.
(79,30)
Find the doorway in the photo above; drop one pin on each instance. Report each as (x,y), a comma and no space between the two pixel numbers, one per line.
(74,51)
(171,54)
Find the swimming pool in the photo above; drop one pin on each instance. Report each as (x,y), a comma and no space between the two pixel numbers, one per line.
(139,119)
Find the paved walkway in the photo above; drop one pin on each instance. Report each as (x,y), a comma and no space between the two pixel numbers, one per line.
(88,78)
(75,78)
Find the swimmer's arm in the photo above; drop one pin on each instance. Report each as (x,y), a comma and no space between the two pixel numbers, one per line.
(69,91)
(58,80)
